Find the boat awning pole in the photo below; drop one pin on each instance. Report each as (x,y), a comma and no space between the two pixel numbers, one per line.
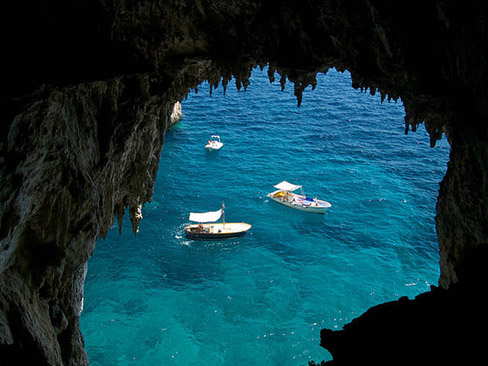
(223,214)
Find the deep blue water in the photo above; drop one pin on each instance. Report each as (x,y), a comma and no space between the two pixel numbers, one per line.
(160,299)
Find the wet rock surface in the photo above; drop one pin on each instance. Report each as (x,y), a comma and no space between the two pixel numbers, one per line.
(87,95)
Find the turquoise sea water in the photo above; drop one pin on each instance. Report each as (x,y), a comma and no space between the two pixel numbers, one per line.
(160,299)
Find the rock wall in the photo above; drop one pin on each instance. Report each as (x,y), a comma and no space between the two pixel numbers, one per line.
(88,93)
(462,206)
(67,175)
(176,114)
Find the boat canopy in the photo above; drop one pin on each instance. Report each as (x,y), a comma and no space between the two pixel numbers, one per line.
(215,136)
(286,186)
(206,216)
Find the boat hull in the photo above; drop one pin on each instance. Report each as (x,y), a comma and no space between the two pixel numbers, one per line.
(214,146)
(216,231)
(318,206)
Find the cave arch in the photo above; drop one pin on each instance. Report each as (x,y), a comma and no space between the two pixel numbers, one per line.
(88,94)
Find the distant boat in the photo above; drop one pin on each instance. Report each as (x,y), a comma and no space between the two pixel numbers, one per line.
(207,228)
(214,143)
(285,196)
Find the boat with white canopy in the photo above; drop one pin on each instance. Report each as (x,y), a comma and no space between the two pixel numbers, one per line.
(214,143)
(284,195)
(207,228)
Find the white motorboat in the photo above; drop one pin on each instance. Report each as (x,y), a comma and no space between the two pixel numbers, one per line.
(214,143)
(207,228)
(285,196)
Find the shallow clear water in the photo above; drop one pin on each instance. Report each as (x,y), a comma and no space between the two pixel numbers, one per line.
(160,299)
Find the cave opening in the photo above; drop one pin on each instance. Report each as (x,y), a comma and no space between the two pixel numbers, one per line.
(159,297)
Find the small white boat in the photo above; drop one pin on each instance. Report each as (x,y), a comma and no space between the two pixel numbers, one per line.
(285,196)
(207,228)
(214,143)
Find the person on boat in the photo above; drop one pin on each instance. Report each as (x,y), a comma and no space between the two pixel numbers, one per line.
(200,228)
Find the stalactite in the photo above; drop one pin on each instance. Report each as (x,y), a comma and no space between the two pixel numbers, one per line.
(283,81)
(225,82)
(238,83)
(435,132)
(213,85)
(298,92)
(119,212)
(245,83)
(314,82)
(135,217)
(271,74)
(407,126)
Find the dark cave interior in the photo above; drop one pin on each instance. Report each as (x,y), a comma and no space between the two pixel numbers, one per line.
(87,91)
